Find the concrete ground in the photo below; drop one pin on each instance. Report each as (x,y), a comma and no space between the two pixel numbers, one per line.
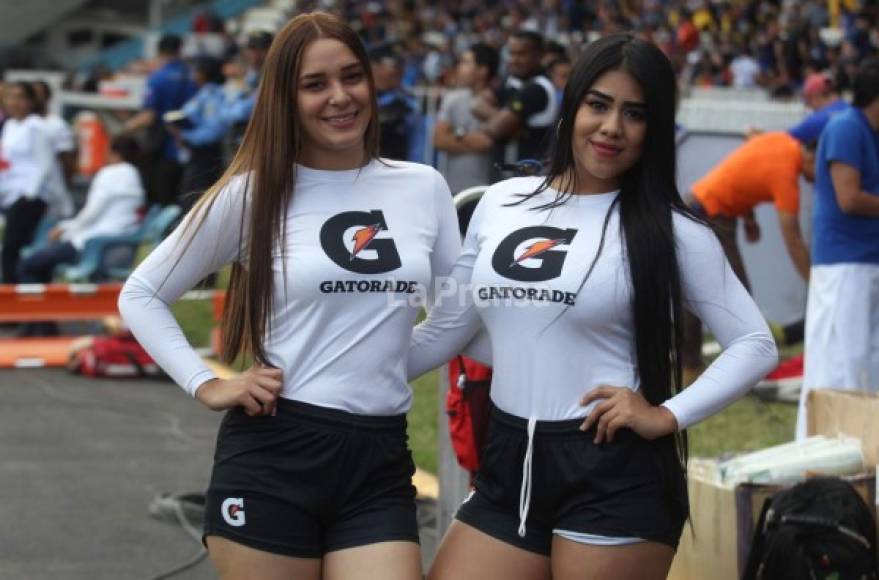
(81,460)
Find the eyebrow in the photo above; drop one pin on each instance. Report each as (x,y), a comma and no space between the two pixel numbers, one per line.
(606,97)
(345,69)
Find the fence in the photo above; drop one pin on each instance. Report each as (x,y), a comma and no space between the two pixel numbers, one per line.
(63,302)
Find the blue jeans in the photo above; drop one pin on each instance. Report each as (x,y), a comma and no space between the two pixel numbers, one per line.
(38,267)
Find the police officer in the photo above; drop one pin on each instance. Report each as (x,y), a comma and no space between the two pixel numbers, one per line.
(402,125)
(236,113)
(168,88)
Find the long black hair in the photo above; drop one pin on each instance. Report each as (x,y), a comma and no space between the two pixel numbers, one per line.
(647,201)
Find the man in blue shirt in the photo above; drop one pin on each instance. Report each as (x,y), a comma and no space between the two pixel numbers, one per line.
(236,113)
(821,95)
(842,315)
(400,121)
(168,88)
(201,131)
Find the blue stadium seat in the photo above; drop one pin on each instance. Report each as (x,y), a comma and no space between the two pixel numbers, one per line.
(108,258)
(41,236)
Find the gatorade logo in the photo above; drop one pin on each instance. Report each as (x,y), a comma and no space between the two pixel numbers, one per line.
(351,240)
(233,511)
(529,254)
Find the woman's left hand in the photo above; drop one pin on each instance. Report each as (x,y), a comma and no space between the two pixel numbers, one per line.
(622,407)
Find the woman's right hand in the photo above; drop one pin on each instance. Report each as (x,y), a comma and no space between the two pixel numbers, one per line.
(256,389)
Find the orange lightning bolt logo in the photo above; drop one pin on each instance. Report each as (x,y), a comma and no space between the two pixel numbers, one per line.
(537,248)
(363,237)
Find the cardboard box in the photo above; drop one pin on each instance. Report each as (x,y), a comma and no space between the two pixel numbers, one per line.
(710,553)
(723,523)
(724,518)
(852,413)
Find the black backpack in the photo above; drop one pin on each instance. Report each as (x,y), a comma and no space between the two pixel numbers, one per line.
(819,529)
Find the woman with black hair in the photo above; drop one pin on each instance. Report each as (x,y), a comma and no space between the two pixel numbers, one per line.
(581,278)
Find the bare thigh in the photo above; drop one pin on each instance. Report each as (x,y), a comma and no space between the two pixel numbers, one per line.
(235,561)
(379,561)
(643,561)
(468,554)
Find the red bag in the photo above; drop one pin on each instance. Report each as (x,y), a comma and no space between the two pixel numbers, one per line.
(112,356)
(468,407)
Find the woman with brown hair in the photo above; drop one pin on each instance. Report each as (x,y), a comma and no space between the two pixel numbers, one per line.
(328,246)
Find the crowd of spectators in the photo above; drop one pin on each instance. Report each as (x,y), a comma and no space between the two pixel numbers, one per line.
(773,44)
(747,44)
(741,43)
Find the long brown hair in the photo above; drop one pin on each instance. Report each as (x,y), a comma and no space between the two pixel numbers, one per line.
(267,158)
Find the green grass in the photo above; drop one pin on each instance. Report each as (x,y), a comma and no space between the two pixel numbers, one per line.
(196,319)
(746,425)
(423,421)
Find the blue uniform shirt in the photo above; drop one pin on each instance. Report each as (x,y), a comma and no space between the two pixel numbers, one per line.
(412,120)
(239,108)
(204,112)
(839,237)
(809,129)
(167,90)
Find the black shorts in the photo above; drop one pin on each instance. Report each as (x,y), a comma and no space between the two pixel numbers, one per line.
(621,489)
(311,480)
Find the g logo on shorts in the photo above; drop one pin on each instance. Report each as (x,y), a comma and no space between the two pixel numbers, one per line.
(233,511)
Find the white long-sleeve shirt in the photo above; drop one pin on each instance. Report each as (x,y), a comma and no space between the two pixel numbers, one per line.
(115,195)
(361,245)
(520,271)
(27,161)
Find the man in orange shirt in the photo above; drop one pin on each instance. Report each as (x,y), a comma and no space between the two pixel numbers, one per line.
(764,169)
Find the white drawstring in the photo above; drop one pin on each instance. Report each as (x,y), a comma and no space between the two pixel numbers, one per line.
(525,491)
